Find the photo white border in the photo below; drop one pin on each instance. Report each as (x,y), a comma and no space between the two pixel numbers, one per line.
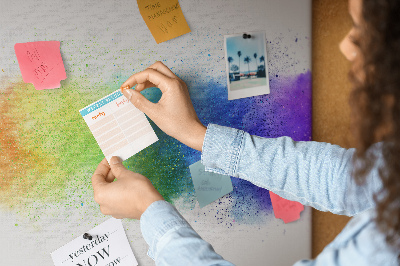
(247,92)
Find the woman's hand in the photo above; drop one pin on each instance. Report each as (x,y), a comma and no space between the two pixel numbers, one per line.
(174,113)
(127,197)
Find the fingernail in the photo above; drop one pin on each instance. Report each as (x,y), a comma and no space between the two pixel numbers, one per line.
(115,160)
(128,93)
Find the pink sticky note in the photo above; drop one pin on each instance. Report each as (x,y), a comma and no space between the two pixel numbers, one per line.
(286,210)
(41,63)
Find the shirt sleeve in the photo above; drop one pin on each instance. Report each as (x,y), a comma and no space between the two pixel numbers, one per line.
(360,243)
(172,241)
(313,173)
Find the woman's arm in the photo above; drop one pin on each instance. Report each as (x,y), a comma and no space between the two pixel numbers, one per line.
(315,174)
(312,173)
(172,241)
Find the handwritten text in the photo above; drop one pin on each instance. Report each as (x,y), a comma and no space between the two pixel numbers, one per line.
(164,11)
(122,102)
(100,114)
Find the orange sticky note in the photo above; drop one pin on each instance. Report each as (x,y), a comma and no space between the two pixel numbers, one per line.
(164,18)
(286,210)
(41,64)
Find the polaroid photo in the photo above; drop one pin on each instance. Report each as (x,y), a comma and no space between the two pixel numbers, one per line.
(246,65)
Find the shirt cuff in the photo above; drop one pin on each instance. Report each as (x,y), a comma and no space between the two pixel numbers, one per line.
(221,149)
(159,218)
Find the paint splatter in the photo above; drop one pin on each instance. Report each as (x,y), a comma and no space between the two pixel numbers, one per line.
(286,111)
(17,160)
(45,142)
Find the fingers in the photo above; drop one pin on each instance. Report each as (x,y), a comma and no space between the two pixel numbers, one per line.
(117,167)
(104,210)
(142,86)
(100,174)
(110,177)
(157,66)
(160,67)
(140,102)
(159,80)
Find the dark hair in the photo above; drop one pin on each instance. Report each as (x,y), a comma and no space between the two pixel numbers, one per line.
(375,101)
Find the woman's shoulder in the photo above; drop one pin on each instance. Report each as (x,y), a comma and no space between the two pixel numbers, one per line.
(362,239)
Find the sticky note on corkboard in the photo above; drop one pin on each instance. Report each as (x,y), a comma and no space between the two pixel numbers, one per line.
(41,63)
(288,211)
(164,18)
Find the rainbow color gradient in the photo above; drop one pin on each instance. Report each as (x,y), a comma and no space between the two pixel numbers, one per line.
(45,143)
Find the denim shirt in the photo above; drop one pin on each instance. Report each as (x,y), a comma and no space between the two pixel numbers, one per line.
(312,173)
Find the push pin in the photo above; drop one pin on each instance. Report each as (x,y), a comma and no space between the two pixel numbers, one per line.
(246,36)
(124,88)
(87,236)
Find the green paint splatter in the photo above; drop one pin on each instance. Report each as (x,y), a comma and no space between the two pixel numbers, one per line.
(49,126)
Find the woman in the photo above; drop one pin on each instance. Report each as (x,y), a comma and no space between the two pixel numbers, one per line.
(317,174)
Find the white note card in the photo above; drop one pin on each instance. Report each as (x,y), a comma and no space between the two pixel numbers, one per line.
(118,126)
(109,247)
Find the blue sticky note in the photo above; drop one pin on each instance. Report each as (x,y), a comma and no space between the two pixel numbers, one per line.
(209,186)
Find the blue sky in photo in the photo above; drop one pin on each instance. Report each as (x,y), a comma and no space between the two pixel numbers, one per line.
(256,44)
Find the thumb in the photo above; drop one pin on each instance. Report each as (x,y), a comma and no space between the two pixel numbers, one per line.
(117,167)
(138,100)
(100,174)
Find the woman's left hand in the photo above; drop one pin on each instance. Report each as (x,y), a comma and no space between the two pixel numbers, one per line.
(128,197)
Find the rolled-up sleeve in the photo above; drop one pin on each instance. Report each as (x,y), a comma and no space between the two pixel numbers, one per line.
(316,174)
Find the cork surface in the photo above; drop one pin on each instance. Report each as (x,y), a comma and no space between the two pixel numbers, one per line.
(331,89)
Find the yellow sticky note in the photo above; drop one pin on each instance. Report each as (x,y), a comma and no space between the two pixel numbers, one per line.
(164,18)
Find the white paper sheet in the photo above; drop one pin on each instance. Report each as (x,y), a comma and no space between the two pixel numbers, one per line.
(118,126)
(109,246)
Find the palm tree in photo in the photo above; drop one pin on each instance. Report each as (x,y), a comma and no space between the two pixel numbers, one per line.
(262,59)
(234,68)
(255,59)
(239,55)
(247,60)
(230,59)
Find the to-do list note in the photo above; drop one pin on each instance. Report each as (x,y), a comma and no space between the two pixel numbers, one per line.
(118,126)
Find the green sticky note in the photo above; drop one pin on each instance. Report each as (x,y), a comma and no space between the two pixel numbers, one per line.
(209,186)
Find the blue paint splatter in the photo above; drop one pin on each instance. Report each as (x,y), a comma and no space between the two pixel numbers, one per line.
(286,111)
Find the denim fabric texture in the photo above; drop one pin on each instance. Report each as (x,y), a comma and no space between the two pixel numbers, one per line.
(313,173)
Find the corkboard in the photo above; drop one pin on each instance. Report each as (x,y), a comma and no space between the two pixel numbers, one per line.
(331,88)
(51,154)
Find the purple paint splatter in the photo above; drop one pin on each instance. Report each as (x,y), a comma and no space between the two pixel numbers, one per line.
(286,111)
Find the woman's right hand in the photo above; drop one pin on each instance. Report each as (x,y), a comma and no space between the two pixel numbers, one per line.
(174,113)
